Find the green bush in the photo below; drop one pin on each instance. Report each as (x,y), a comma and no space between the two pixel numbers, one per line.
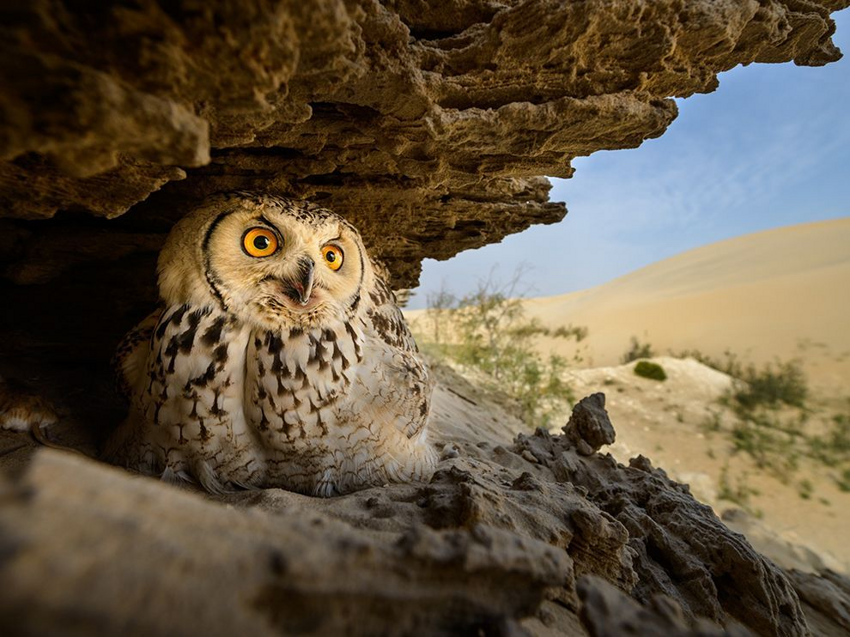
(488,334)
(653,371)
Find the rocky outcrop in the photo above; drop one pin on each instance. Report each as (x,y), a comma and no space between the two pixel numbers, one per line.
(529,537)
(428,125)
(826,600)
(608,612)
(141,558)
(679,547)
(589,428)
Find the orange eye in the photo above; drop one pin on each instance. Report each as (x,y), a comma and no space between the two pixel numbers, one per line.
(259,242)
(333,257)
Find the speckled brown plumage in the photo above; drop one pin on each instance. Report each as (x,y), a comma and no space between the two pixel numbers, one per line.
(277,370)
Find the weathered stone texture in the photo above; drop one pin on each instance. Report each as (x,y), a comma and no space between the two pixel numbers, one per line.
(589,428)
(525,538)
(429,125)
(826,600)
(608,612)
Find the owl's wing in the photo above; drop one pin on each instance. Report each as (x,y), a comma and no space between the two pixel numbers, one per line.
(415,381)
(387,321)
(394,389)
(130,359)
(403,376)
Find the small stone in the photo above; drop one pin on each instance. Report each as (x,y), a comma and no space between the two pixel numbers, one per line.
(589,427)
(449,451)
(529,456)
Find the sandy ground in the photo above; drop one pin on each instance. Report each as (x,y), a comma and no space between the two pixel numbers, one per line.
(779,294)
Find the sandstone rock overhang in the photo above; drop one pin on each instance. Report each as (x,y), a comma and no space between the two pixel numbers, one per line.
(430,125)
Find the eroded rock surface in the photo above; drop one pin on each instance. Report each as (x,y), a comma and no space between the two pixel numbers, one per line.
(589,427)
(826,600)
(529,537)
(608,612)
(141,558)
(428,125)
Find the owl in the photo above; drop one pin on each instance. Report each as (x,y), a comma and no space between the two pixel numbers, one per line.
(279,358)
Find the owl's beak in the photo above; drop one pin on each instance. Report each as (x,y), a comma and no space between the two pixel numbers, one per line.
(303,283)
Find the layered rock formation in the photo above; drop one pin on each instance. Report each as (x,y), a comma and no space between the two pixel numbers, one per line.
(536,536)
(430,126)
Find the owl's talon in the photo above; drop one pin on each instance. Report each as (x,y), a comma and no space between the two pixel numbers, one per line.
(39,432)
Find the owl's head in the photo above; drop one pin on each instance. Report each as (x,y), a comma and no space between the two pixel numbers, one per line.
(268,261)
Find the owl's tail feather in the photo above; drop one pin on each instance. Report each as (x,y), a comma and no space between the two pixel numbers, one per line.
(245,486)
(326,486)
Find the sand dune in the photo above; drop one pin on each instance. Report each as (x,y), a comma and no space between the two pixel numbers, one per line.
(780,293)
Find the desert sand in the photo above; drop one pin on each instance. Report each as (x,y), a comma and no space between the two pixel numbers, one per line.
(781,293)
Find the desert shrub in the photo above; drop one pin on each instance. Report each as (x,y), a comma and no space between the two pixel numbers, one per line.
(653,371)
(833,446)
(772,448)
(729,364)
(772,386)
(637,350)
(839,437)
(774,439)
(440,305)
(488,334)
(578,332)
(711,423)
(739,493)
(844,481)
(771,415)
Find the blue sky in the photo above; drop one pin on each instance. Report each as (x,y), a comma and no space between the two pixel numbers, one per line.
(770,147)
